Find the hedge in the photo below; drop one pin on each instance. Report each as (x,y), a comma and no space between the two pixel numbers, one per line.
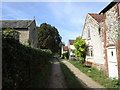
(20,63)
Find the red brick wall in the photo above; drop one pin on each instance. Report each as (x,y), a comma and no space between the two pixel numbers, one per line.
(118,59)
(105,50)
(118,43)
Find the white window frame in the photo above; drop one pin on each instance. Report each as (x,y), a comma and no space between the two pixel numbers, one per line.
(88,33)
(90,51)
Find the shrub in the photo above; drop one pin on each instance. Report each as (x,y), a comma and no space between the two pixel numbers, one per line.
(81,48)
(66,55)
(21,62)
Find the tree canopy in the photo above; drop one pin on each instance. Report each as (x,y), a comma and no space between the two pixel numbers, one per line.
(48,37)
(81,48)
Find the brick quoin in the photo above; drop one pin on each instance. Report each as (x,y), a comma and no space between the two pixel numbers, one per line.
(105,50)
(118,59)
(118,44)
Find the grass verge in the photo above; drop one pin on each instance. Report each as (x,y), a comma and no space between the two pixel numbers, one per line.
(71,79)
(97,75)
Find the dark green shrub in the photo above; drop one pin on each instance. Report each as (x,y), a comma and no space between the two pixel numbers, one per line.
(66,55)
(20,63)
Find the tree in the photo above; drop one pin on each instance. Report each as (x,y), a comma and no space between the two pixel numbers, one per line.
(81,48)
(48,37)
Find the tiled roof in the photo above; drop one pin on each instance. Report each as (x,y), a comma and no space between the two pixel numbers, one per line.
(65,48)
(15,23)
(97,17)
(71,42)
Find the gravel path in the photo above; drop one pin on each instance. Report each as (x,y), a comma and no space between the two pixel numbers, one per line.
(56,79)
(84,79)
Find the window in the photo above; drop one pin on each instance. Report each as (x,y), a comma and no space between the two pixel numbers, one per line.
(88,33)
(99,30)
(119,9)
(90,51)
(111,53)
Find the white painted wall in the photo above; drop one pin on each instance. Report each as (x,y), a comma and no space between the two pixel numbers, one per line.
(95,41)
(72,47)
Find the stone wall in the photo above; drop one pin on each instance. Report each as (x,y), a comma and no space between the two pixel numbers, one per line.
(112,32)
(24,36)
(29,36)
(95,39)
(33,36)
(112,26)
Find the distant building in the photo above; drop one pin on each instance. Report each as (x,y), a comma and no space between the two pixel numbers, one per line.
(26,29)
(64,49)
(71,49)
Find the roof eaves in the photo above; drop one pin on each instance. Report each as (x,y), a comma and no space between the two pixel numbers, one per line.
(109,6)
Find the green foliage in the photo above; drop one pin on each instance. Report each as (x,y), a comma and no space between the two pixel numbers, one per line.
(71,79)
(20,63)
(49,38)
(11,33)
(7,32)
(81,48)
(56,55)
(97,75)
(66,55)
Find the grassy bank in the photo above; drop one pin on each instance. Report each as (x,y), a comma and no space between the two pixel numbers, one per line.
(21,64)
(70,78)
(97,75)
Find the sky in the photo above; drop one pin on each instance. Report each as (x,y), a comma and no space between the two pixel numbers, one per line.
(67,17)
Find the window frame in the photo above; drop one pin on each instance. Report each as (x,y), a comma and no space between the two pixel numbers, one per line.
(89,36)
(90,51)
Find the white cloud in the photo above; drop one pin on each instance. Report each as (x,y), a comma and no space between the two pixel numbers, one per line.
(68,12)
(14,13)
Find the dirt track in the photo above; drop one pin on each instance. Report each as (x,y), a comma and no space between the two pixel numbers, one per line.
(56,78)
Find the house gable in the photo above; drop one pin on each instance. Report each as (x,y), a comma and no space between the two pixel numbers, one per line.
(93,39)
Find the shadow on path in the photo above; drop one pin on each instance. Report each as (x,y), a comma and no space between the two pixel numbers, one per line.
(56,78)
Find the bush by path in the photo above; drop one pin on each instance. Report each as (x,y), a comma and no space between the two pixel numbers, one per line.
(20,63)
